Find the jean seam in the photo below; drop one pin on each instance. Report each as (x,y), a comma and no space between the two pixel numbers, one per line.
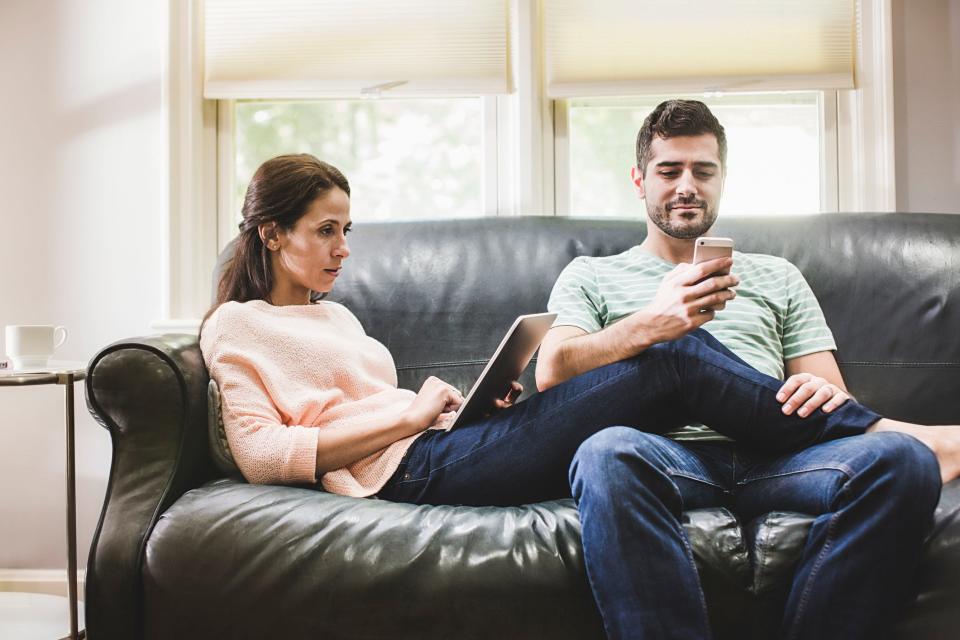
(844,469)
(678,474)
(689,550)
(542,416)
(690,558)
(733,468)
(821,557)
(693,563)
(406,482)
(586,564)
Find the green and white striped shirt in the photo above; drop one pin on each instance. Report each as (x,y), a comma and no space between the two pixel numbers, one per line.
(775,316)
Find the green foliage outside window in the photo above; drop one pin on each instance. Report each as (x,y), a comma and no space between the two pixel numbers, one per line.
(424,158)
(403,158)
(773,162)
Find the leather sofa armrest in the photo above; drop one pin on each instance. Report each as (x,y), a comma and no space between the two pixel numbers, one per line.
(151,394)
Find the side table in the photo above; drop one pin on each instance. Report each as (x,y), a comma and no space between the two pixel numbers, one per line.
(66,374)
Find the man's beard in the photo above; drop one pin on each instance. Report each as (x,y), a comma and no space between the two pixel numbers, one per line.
(682,230)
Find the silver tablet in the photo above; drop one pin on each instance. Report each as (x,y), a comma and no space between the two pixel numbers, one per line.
(508,362)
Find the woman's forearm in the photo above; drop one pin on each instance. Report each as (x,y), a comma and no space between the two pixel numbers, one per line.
(336,448)
(341,446)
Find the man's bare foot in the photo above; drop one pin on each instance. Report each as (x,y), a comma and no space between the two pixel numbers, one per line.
(943,440)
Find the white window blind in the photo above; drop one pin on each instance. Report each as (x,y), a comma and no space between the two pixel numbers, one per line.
(624,47)
(349,48)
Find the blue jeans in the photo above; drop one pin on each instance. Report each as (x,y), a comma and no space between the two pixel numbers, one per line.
(873,497)
(571,440)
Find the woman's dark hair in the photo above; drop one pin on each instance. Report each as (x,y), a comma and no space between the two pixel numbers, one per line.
(280,191)
(678,118)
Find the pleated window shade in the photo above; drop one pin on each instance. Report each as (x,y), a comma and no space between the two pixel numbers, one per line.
(623,47)
(349,48)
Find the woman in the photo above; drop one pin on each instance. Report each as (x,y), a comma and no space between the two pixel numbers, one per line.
(307,396)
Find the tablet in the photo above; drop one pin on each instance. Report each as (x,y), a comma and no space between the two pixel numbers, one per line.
(508,362)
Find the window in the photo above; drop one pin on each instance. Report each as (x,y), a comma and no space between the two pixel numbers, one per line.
(404,158)
(530,142)
(773,164)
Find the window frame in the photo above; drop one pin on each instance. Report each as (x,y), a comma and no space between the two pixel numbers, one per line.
(226,164)
(525,147)
(828,197)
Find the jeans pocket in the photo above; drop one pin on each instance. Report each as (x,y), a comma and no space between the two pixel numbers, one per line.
(389,488)
(402,488)
(405,483)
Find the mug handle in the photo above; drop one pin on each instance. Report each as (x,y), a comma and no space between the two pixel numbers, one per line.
(63,337)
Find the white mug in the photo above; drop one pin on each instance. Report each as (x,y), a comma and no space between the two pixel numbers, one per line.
(31,345)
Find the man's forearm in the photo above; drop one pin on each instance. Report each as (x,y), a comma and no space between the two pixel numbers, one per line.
(583,353)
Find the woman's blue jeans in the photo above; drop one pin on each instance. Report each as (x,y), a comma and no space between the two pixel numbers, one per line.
(594,437)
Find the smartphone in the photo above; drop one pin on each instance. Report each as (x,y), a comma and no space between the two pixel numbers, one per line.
(707,248)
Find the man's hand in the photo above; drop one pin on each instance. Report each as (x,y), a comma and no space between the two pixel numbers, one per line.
(688,298)
(809,393)
(507,401)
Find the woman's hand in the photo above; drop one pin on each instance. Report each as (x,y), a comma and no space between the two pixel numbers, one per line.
(435,397)
(507,401)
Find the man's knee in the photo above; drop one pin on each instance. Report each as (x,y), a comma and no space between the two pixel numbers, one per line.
(612,457)
(687,345)
(909,467)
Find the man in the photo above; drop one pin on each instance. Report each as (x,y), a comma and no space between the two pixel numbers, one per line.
(870,493)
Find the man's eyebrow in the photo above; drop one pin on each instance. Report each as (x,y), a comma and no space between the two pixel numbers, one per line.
(676,163)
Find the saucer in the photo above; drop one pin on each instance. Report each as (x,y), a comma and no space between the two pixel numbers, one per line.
(53,366)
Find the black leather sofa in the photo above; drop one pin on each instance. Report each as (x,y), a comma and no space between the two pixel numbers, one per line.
(184,551)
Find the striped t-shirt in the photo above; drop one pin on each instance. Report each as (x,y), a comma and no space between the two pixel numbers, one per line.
(775,316)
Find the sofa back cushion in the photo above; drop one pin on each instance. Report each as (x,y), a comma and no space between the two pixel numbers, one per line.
(440,294)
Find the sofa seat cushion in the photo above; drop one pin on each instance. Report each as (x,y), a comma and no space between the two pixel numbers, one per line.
(332,566)
(233,560)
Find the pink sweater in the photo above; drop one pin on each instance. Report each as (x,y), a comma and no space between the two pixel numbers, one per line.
(286,372)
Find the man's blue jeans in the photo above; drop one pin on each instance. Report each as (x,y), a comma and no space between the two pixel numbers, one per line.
(593,437)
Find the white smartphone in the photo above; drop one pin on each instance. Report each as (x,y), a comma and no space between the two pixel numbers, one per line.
(707,248)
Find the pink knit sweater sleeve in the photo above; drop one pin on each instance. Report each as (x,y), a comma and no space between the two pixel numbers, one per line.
(287,372)
(266,450)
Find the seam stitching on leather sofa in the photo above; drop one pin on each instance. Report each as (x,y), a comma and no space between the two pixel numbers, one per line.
(894,365)
(850,363)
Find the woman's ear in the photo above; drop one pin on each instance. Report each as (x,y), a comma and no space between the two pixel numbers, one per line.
(269,235)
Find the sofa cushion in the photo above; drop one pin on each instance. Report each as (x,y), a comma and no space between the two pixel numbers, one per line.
(440,294)
(233,560)
(381,569)
(219,446)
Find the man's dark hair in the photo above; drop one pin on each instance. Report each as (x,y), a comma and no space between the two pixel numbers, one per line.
(678,118)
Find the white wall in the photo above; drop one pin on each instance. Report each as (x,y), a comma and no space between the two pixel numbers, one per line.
(81,161)
(926,79)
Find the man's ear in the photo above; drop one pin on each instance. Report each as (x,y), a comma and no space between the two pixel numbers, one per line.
(637,177)
(269,235)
